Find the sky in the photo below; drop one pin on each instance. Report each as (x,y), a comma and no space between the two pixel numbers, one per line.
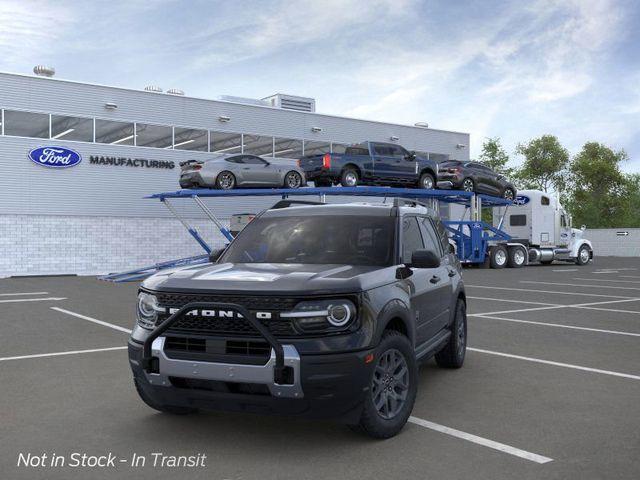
(509,69)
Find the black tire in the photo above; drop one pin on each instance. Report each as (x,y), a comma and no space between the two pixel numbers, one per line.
(322,183)
(292,180)
(427,181)
(172,409)
(452,355)
(468,185)
(498,256)
(349,177)
(517,257)
(509,194)
(584,255)
(373,422)
(225,180)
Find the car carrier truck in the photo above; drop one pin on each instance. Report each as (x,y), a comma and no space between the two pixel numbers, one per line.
(540,231)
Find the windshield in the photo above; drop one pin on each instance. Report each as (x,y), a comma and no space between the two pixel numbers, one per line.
(317,239)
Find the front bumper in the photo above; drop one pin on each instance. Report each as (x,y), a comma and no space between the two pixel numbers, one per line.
(322,385)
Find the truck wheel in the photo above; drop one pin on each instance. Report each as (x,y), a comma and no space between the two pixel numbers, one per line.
(584,255)
(392,390)
(452,355)
(225,180)
(427,182)
(499,256)
(517,257)
(349,178)
(159,407)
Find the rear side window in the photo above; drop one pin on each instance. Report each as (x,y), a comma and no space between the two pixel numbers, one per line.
(517,220)
(238,159)
(411,238)
(431,239)
(357,151)
(442,234)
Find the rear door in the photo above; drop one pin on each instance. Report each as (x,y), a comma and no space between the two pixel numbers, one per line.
(383,160)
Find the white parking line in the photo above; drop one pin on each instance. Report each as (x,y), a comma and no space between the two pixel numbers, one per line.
(511,301)
(605,280)
(548,291)
(27,293)
(556,364)
(588,306)
(485,442)
(629,276)
(567,270)
(558,325)
(57,354)
(20,300)
(93,320)
(581,285)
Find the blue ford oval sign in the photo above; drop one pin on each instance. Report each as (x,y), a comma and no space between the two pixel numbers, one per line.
(521,200)
(55,157)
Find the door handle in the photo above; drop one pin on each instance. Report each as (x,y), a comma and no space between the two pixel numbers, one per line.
(435,279)
(246,168)
(452,273)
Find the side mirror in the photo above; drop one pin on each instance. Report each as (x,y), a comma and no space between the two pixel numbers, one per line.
(424,259)
(215,255)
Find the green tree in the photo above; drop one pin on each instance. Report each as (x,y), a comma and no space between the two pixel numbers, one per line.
(495,157)
(545,164)
(599,194)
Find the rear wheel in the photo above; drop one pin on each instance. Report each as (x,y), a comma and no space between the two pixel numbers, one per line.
(393,387)
(293,180)
(452,355)
(174,410)
(508,194)
(349,177)
(427,181)
(225,180)
(517,257)
(468,185)
(499,256)
(584,255)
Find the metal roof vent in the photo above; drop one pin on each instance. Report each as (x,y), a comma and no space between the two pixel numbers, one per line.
(153,88)
(44,71)
(291,102)
(175,91)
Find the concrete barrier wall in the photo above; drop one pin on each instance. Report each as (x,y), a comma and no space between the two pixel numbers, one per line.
(614,242)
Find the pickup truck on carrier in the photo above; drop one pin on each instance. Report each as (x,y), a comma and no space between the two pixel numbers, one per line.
(312,310)
(371,163)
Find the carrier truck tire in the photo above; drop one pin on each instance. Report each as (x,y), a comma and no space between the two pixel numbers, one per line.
(517,257)
(499,256)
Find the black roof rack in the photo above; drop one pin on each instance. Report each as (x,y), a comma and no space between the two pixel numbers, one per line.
(287,203)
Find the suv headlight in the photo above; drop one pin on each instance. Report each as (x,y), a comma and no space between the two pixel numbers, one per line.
(147,311)
(322,315)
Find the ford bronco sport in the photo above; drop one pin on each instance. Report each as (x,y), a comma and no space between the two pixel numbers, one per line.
(318,310)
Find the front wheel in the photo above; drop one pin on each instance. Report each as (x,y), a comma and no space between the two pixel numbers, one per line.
(427,181)
(584,255)
(293,180)
(393,387)
(452,355)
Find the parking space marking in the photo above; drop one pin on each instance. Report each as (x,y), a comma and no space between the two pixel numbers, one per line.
(511,301)
(629,276)
(93,320)
(26,293)
(20,300)
(533,457)
(555,364)
(58,354)
(566,270)
(580,285)
(558,325)
(588,306)
(606,280)
(548,291)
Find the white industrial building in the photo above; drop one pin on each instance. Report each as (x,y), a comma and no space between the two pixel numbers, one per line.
(91,218)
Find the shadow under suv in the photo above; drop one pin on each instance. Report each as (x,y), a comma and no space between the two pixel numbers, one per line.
(320,310)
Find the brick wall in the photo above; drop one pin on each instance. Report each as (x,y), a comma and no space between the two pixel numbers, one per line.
(53,245)
(612,241)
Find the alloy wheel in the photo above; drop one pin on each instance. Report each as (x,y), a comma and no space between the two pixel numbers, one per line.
(584,255)
(508,194)
(226,181)
(390,384)
(293,180)
(427,182)
(467,185)
(351,179)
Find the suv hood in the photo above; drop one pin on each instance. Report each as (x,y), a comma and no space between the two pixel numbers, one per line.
(267,278)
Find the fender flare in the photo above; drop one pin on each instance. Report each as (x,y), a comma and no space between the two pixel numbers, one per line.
(394,309)
(578,244)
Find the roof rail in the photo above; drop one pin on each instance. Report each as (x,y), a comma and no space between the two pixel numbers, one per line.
(287,203)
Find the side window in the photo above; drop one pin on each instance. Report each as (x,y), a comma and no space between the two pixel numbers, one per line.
(253,160)
(563,221)
(398,151)
(237,159)
(517,220)
(382,150)
(544,200)
(431,241)
(443,236)
(411,238)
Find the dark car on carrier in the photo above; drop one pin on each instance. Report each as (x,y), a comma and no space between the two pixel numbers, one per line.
(321,311)
(474,177)
(371,163)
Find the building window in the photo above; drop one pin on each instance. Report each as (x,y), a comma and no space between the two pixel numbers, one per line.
(71,128)
(26,124)
(226,142)
(115,133)
(338,147)
(316,148)
(287,148)
(438,157)
(157,136)
(258,145)
(190,139)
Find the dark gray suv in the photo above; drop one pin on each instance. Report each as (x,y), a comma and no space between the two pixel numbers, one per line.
(313,310)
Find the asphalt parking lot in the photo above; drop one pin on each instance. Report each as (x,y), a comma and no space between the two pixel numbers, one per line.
(550,389)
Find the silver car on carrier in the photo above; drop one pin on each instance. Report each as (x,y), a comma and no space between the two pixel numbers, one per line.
(241,170)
